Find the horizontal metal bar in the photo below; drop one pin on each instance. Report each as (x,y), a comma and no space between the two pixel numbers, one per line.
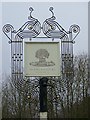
(16,41)
(17,73)
(67,41)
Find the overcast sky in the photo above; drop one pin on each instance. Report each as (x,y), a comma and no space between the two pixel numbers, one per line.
(66,14)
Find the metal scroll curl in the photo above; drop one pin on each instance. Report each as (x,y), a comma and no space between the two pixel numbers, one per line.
(8,29)
(74,31)
(51,28)
(31,28)
(32,31)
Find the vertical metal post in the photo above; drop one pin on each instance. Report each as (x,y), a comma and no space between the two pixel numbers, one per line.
(43,97)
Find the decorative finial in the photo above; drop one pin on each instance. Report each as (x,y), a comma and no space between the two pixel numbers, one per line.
(51,9)
(30,9)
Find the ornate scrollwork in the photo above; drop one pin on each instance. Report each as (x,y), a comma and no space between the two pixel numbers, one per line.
(30,9)
(7,29)
(51,28)
(34,25)
(74,30)
(30,29)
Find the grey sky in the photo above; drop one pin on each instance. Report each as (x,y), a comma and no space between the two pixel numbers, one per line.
(66,14)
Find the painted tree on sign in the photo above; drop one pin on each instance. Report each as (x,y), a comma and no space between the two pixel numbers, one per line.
(42,54)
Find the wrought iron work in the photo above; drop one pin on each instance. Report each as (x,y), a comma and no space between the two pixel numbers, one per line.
(16,54)
(32,29)
(51,29)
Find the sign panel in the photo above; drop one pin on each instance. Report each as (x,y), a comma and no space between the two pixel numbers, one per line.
(41,59)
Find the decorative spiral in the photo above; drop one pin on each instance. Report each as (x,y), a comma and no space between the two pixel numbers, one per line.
(34,28)
(51,8)
(31,9)
(30,30)
(74,28)
(30,17)
(48,27)
(7,28)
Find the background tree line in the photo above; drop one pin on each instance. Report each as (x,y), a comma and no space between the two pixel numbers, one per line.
(20,98)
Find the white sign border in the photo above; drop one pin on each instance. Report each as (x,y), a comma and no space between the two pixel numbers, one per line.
(59,66)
